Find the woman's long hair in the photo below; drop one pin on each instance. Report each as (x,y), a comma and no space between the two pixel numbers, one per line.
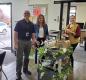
(43,20)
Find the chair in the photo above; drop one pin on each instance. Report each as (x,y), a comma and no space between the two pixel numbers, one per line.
(2,56)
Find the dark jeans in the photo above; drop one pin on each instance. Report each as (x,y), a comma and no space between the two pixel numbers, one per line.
(36,51)
(74,46)
(40,40)
(71,56)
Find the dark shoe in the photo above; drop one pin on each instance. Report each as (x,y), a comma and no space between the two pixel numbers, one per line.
(18,75)
(19,78)
(27,72)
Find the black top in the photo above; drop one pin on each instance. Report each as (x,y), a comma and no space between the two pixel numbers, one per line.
(24,29)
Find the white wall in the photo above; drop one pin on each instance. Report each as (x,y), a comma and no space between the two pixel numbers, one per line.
(81,12)
(53,16)
(53,12)
(19,6)
(64,15)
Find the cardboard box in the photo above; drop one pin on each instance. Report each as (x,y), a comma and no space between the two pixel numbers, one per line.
(62,43)
(59,44)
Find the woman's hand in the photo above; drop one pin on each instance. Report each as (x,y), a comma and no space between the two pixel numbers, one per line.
(65,35)
(70,32)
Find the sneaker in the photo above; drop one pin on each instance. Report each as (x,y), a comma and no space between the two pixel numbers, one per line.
(27,72)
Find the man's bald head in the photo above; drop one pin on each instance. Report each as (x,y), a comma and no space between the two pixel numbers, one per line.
(26,14)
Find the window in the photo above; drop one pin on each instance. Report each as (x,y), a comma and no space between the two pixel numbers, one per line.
(2,24)
(73,10)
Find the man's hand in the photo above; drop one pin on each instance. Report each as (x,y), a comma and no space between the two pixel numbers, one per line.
(15,39)
(16,45)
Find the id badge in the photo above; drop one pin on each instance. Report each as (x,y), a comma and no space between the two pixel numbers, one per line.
(27,34)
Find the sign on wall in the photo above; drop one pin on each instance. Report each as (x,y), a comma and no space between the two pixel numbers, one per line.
(36,10)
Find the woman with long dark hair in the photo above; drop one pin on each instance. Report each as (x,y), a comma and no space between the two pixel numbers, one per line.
(41,30)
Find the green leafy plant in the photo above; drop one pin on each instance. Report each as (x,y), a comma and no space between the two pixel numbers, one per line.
(66,66)
(41,52)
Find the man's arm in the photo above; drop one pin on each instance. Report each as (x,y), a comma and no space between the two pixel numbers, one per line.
(16,30)
(15,39)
